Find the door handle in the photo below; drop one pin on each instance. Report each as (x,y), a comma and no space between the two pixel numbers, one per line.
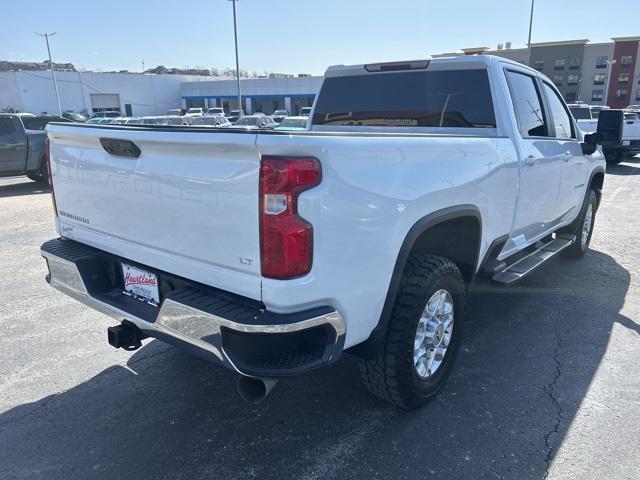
(566,156)
(530,161)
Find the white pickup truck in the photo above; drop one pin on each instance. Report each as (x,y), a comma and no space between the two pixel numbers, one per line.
(273,252)
(587,118)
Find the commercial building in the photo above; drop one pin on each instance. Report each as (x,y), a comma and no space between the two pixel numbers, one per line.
(91,92)
(258,94)
(595,73)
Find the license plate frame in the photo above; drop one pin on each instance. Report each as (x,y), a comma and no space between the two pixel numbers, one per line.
(140,283)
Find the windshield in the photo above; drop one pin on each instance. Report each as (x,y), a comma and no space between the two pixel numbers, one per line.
(294,122)
(281,112)
(452,98)
(247,121)
(194,110)
(581,113)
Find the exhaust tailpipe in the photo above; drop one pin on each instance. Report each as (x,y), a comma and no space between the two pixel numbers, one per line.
(255,390)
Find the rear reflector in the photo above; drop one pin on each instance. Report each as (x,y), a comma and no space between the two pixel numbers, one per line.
(286,239)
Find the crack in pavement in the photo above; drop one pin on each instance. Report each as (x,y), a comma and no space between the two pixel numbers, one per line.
(494,465)
(549,390)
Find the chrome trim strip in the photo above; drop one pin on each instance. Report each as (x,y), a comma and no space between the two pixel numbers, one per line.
(175,319)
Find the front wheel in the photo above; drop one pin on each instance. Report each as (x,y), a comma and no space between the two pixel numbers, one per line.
(423,335)
(584,228)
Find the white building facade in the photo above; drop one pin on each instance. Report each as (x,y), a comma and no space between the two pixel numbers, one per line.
(131,94)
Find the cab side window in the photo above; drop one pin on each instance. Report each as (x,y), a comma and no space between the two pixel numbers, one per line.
(561,120)
(528,104)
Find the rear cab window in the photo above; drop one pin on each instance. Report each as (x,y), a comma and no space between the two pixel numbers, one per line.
(439,99)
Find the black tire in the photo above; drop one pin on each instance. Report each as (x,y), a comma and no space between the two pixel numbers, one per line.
(581,245)
(613,158)
(391,374)
(41,175)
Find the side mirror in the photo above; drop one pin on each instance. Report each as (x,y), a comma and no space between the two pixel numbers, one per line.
(608,134)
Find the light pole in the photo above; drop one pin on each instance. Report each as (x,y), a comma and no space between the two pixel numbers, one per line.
(606,90)
(235,37)
(53,73)
(530,27)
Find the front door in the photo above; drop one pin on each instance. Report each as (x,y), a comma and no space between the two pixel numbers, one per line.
(573,178)
(540,166)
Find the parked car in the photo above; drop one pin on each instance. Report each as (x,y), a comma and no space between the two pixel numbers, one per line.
(279,115)
(74,117)
(587,120)
(365,233)
(175,111)
(22,140)
(234,115)
(109,114)
(176,120)
(305,111)
(255,121)
(195,112)
(215,111)
(211,121)
(99,120)
(149,120)
(293,123)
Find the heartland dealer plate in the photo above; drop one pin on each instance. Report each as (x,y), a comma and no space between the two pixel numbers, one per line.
(140,283)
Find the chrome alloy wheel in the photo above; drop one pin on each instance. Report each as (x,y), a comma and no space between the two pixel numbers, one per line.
(433,334)
(586,225)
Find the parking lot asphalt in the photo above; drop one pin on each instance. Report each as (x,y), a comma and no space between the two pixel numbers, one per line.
(547,384)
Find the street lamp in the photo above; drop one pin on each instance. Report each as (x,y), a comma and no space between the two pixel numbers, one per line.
(53,73)
(609,70)
(235,37)
(529,41)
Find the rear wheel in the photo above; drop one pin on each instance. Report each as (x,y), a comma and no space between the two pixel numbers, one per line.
(584,227)
(41,175)
(423,336)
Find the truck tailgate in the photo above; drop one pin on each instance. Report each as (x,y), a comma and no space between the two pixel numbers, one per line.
(187,205)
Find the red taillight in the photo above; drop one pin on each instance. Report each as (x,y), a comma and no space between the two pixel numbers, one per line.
(47,156)
(286,239)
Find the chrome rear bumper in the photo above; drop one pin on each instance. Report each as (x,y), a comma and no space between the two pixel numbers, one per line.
(185,318)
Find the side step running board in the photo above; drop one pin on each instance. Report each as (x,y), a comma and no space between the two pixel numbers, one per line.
(525,265)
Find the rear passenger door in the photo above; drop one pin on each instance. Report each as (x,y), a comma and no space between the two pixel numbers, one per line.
(13,146)
(566,145)
(540,164)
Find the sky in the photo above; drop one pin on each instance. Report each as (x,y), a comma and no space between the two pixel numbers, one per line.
(292,36)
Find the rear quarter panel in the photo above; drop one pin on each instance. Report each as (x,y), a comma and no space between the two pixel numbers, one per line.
(374,189)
